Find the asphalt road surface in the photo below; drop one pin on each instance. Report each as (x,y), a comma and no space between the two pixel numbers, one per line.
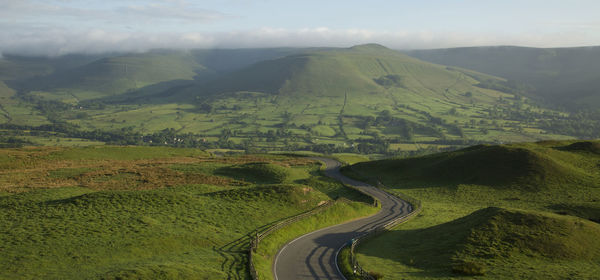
(313,256)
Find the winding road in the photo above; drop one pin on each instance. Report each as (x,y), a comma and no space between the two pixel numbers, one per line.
(314,255)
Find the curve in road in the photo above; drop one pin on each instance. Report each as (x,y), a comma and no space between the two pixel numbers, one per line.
(314,255)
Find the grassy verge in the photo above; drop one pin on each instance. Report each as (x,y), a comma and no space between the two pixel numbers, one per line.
(345,264)
(336,214)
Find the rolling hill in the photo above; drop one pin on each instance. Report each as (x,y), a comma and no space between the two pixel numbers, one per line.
(151,212)
(527,167)
(498,210)
(115,75)
(495,243)
(563,76)
(89,77)
(357,70)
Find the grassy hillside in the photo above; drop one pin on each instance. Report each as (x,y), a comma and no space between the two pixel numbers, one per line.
(453,235)
(566,76)
(492,242)
(73,78)
(357,70)
(147,213)
(116,75)
(498,166)
(14,67)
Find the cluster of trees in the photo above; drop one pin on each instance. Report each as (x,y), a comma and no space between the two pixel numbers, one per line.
(406,129)
(389,81)
(124,136)
(582,124)
(13,142)
(362,148)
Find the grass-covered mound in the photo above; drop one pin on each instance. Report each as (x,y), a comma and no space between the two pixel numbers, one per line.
(503,244)
(285,194)
(499,233)
(495,242)
(590,211)
(585,146)
(146,212)
(256,172)
(496,165)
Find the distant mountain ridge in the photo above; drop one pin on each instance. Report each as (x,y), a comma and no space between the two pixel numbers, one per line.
(565,76)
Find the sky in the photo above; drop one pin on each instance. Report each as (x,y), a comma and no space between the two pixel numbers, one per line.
(58,27)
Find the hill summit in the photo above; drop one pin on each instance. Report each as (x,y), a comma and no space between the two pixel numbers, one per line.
(493,165)
(527,166)
(359,70)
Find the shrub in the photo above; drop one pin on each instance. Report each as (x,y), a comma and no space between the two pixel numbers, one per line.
(469,268)
(256,172)
(376,275)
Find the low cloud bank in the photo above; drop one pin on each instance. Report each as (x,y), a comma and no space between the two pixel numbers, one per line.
(54,42)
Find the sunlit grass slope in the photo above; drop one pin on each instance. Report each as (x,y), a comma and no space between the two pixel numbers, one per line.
(146,212)
(492,243)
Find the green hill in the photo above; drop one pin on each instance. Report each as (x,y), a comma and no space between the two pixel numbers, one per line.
(357,70)
(19,68)
(564,76)
(73,78)
(529,233)
(498,166)
(522,166)
(498,243)
(584,146)
(541,179)
(117,74)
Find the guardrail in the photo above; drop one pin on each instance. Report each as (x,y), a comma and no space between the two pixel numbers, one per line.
(415,209)
(260,236)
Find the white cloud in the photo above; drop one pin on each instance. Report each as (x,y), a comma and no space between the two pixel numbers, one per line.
(56,27)
(74,15)
(56,41)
